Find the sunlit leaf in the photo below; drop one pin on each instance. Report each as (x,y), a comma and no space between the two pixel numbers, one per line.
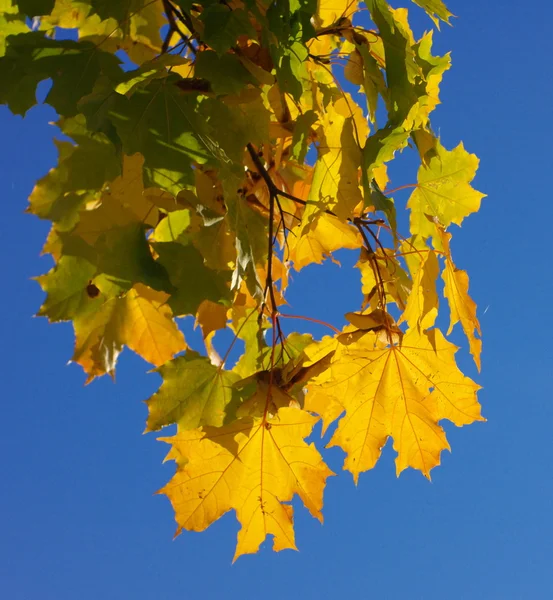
(443,192)
(462,307)
(210,152)
(399,390)
(193,393)
(140,319)
(254,466)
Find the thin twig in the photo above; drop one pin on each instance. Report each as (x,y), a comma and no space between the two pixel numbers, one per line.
(171,11)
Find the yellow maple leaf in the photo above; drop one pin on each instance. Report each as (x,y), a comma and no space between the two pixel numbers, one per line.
(121,202)
(443,191)
(314,242)
(336,183)
(139,319)
(254,466)
(382,278)
(211,317)
(330,11)
(399,390)
(138,33)
(65,14)
(462,307)
(422,305)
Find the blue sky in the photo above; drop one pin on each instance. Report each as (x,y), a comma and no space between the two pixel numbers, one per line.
(78,514)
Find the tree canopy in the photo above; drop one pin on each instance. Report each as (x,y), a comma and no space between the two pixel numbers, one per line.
(212,148)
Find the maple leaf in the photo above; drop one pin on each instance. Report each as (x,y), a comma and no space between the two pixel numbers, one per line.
(194,393)
(422,305)
(336,177)
(147,123)
(462,307)
(399,390)
(254,466)
(315,241)
(436,9)
(383,278)
(11,23)
(65,286)
(131,25)
(74,68)
(62,193)
(401,68)
(193,282)
(211,317)
(443,190)
(209,149)
(139,319)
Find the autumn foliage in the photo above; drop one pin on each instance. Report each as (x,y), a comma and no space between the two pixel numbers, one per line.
(210,149)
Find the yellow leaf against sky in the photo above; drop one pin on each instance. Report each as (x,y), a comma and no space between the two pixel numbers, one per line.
(121,202)
(211,317)
(462,307)
(336,184)
(400,391)
(314,242)
(253,466)
(382,275)
(422,305)
(443,191)
(128,191)
(330,11)
(140,319)
(138,32)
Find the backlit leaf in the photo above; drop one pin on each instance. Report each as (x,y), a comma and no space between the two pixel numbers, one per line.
(395,390)
(462,307)
(318,239)
(337,171)
(74,68)
(210,148)
(254,466)
(193,393)
(139,319)
(443,191)
(436,10)
(422,305)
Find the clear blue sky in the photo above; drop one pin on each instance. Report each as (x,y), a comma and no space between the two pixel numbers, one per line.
(78,516)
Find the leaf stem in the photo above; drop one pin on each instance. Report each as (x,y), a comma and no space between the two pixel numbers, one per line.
(312,319)
(401,187)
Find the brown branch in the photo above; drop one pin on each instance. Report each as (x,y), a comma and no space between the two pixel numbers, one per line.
(269,283)
(171,11)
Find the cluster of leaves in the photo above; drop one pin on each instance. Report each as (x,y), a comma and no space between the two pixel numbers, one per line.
(212,149)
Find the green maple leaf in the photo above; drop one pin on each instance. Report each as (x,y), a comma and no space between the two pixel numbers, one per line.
(60,195)
(226,72)
(223,27)
(194,393)
(436,10)
(235,124)
(193,282)
(162,123)
(65,286)
(399,58)
(74,68)
(250,230)
(124,256)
